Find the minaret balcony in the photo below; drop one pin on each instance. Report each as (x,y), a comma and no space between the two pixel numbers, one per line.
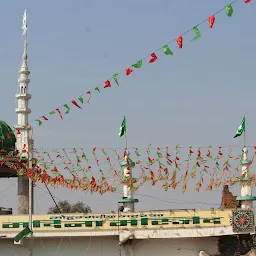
(23,71)
(23,110)
(22,127)
(25,96)
(24,80)
(246,198)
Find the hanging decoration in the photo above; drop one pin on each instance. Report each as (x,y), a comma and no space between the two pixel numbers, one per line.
(99,170)
(152,58)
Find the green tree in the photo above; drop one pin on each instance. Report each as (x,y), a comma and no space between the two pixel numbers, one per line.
(228,245)
(66,207)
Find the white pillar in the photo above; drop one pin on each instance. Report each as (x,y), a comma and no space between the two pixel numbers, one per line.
(128,201)
(246,197)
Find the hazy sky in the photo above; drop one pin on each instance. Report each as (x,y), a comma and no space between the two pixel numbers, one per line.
(197,97)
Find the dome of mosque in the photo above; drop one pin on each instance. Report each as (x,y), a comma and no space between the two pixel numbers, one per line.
(7,138)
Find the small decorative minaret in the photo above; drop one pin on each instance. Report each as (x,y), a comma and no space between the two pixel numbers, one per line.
(128,201)
(246,197)
(23,142)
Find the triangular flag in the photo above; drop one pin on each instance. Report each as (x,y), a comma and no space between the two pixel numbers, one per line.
(198,34)
(167,50)
(39,122)
(89,93)
(97,89)
(58,110)
(128,71)
(75,103)
(115,78)
(67,108)
(179,41)
(80,98)
(107,84)
(229,10)
(211,21)
(138,64)
(153,58)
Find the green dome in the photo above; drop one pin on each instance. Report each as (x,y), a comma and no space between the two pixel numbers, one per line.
(7,138)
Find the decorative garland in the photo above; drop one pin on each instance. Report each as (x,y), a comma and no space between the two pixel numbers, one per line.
(100,169)
(151,58)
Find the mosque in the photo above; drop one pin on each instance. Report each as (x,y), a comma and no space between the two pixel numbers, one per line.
(126,232)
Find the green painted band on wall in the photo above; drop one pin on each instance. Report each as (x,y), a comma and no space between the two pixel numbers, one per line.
(196,220)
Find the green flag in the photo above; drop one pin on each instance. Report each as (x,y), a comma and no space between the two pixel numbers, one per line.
(198,33)
(229,10)
(122,129)
(138,64)
(241,128)
(24,233)
(167,50)
(67,108)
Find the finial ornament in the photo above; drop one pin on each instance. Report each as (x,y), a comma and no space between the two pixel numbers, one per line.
(24,24)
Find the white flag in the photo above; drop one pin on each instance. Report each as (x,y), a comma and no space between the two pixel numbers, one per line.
(24,23)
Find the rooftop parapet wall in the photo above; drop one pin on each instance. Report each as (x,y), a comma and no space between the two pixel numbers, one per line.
(114,221)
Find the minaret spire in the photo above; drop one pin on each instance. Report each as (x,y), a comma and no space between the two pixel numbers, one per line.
(25,56)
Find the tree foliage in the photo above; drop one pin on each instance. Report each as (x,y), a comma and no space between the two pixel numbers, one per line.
(66,207)
(228,245)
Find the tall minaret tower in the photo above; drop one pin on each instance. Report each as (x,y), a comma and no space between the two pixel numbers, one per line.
(128,200)
(23,141)
(246,197)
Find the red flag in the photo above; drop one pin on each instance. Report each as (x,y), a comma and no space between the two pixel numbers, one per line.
(247,1)
(179,41)
(154,58)
(75,103)
(45,118)
(211,21)
(107,84)
(89,93)
(128,71)
(58,110)
(18,132)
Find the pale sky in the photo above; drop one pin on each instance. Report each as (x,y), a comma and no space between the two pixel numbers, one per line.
(197,97)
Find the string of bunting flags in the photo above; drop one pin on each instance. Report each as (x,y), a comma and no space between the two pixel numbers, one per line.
(167,50)
(99,170)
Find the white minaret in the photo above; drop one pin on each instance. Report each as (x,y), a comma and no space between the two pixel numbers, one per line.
(23,142)
(23,110)
(128,201)
(246,197)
